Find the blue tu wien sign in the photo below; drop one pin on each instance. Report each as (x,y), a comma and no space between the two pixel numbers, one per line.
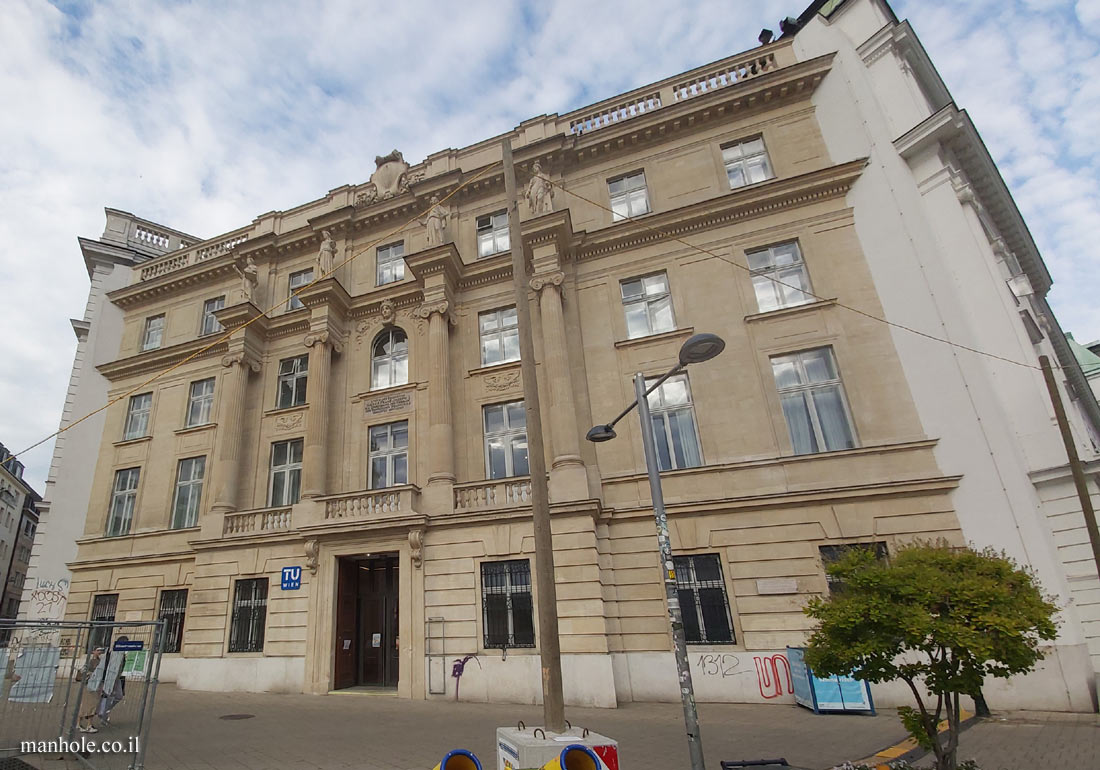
(292,578)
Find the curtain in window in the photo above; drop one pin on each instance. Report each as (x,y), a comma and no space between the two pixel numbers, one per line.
(797,413)
(834,423)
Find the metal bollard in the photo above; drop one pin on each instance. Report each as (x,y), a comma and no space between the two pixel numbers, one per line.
(574,757)
(459,759)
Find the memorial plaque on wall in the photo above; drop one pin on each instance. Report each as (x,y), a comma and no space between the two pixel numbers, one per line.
(389,402)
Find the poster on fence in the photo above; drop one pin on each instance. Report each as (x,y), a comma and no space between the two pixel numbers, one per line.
(135,665)
(833,693)
(36,668)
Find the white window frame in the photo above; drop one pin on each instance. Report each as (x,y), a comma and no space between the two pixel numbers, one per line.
(771,282)
(296,281)
(390,263)
(388,451)
(120,515)
(492,234)
(507,435)
(627,203)
(153,337)
(190,473)
(200,402)
(286,474)
(742,157)
(659,408)
(138,414)
(297,378)
(505,326)
(651,300)
(808,389)
(210,323)
(388,361)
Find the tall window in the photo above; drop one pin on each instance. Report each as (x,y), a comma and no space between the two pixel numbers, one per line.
(648,305)
(103,610)
(813,401)
(137,416)
(123,498)
(389,455)
(200,402)
(391,263)
(746,163)
(629,197)
(506,604)
(246,633)
(210,323)
(154,332)
(499,336)
(673,417)
(293,373)
(389,364)
(173,606)
(492,234)
(505,440)
(185,505)
(831,554)
(779,276)
(703,602)
(286,473)
(297,281)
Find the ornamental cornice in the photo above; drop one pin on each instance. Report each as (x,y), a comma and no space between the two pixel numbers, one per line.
(162,358)
(138,294)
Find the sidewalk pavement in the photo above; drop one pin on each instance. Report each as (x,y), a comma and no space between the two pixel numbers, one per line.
(381,732)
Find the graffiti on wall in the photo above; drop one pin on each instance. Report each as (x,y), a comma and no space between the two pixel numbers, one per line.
(47,599)
(773,675)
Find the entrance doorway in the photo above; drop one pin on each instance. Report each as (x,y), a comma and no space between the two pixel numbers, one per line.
(367,622)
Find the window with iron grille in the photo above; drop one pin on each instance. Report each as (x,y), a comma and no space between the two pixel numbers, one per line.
(391,263)
(246,633)
(830,554)
(103,610)
(293,376)
(200,402)
(703,602)
(210,323)
(173,607)
(506,604)
(492,234)
(137,416)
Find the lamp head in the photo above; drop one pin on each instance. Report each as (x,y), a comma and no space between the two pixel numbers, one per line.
(701,347)
(599,433)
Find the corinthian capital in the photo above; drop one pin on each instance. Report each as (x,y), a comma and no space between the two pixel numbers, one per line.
(540,282)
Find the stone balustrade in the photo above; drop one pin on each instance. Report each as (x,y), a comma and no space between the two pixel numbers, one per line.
(727,75)
(256,522)
(493,495)
(391,501)
(193,254)
(615,113)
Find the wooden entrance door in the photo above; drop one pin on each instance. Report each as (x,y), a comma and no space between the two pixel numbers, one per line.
(346,672)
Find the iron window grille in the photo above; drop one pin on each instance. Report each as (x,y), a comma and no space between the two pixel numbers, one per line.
(246,632)
(648,305)
(389,455)
(830,554)
(293,377)
(703,601)
(391,263)
(505,440)
(200,402)
(103,610)
(499,331)
(389,364)
(629,197)
(123,499)
(185,505)
(812,397)
(154,332)
(297,281)
(286,473)
(137,416)
(673,417)
(779,277)
(210,323)
(746,163)
(506,604)
(492,234)
(173,608)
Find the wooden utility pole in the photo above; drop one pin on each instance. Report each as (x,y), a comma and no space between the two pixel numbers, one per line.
(1074,460)
(553,702)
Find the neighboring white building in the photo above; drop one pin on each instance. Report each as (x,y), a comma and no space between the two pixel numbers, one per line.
(126,241)
(951,256)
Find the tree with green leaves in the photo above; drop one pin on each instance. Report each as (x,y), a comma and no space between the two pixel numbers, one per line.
(938,618)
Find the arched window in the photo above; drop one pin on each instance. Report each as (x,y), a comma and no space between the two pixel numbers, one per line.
(389,362)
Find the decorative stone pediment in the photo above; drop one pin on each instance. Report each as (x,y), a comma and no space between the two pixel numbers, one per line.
(391,177)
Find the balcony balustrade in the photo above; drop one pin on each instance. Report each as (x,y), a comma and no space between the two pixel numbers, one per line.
(256,522)
(492,495)
(392,501)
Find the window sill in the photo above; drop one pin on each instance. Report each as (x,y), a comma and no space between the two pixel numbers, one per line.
(503,366)
(381,391)
(792,310)
(685,332)
(131,441)
(195,428)
(505,253)
(287,409)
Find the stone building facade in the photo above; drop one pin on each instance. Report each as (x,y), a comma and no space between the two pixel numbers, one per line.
(18,520)
(335,494)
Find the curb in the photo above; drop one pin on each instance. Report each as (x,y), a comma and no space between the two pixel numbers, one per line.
(908,750)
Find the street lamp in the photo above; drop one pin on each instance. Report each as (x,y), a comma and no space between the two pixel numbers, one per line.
(697,348)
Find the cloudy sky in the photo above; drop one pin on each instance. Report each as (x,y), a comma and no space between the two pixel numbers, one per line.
(203,114)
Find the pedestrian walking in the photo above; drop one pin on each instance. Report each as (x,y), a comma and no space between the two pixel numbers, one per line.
(92,676)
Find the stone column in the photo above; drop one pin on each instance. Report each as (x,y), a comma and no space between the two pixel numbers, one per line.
(441,463)
(315,453)
(231,429)
(568,479)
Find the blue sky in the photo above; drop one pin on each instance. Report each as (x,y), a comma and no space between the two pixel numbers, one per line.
(203,114)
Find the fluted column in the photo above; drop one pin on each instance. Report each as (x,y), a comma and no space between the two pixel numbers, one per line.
(441,462)
(231,429)
(315,453)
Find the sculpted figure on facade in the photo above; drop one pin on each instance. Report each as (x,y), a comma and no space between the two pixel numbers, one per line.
(326,257)
(436,222)
(539,192)
(249,279)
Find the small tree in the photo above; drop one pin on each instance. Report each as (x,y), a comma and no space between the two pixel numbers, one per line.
(936,616)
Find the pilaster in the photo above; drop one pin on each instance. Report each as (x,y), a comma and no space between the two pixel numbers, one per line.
(438,495)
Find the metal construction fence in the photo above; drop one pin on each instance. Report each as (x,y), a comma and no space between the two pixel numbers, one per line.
(79,690)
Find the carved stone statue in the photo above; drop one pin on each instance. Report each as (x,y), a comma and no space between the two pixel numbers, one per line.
(249,278)
(436,222)
(326,257)
(539,192)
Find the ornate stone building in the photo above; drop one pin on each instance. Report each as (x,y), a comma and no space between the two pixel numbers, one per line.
(336,494)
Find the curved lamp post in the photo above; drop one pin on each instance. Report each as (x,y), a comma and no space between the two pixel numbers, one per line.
(697,348)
